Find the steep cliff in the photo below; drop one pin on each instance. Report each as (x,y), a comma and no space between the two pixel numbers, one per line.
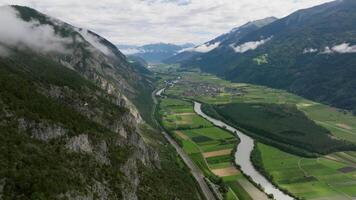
(69,118)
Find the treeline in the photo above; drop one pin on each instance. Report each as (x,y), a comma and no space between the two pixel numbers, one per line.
(282,143)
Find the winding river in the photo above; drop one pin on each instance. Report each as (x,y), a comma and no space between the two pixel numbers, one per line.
(242,156)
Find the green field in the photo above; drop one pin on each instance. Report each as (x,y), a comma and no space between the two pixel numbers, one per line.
(309,177)
(341,124)
(284,118)
(282,123)
(197,137)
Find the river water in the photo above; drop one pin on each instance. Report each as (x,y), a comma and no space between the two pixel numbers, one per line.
(242,156)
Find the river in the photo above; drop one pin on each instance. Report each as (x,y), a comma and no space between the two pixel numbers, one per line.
(242,156)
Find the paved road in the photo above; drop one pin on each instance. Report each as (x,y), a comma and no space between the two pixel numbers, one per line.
(196,172)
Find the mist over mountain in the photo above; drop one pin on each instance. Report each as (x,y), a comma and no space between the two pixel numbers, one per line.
(221,42)
(154,53)
(74,116)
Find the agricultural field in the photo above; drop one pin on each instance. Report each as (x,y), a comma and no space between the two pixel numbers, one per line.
(209,147)
(282,123)
(340,123)
(330,177)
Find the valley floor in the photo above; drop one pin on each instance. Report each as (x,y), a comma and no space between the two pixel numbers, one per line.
(327,177)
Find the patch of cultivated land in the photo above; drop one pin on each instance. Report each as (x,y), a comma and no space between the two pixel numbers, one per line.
(222,172)
(217,153)
(341,124)
(209,147)
(282,123)
(328,177)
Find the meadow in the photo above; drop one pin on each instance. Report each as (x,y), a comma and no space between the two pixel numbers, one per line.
(209,147)
(282,123)
(284,116)
(329,177)
(340,123)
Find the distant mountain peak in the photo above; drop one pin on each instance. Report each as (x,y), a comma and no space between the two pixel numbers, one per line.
(156,52)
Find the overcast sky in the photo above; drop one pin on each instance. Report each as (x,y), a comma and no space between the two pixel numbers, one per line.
(170,21)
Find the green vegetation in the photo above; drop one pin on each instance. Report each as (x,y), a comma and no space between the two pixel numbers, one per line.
(197,136)
(282,123)
(306,177)
(261,60)
(268,112)
(36,169)
(341,124)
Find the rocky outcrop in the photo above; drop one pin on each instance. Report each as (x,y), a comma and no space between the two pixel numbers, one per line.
(44,130)
(131,172)
(101,153)
(80,144)
(98,191)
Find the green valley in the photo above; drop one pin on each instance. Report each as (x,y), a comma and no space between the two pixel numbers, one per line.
(300,134)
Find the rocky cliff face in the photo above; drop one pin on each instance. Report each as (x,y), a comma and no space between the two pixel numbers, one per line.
(70,124)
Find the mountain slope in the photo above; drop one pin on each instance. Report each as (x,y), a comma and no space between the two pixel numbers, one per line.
(310,52)
(154,53)
(69,121)
(220,43)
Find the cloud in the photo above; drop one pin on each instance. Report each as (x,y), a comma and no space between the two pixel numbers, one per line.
(169,21)
(341,48)
(249,45)
(21,34)
(130,51)
(309,50)
(204,48)
(4,51)
(93,40)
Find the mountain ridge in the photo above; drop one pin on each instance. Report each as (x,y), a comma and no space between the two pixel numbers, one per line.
(70,118)
(219,42)
(309,52)
(154,53)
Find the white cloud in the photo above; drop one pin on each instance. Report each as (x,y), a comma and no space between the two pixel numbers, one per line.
(204,48)
(341,48)
(170,21)
(18,33)
(93,40)
(249,45)
(130,51)
(309,50)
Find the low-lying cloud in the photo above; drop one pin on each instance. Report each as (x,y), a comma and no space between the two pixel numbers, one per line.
(93,40)
(249,45)
(18,33)
(341,48)
(310,50)
(204,48)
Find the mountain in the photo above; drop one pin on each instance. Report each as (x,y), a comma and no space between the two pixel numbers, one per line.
(310,52)
(154,53)
(72,118)
(220,42)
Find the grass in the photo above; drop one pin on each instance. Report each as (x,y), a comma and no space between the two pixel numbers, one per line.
(328,117)
(282,123)
(177,114)
(307,177)
(320,177)
(238,190)
(196,140)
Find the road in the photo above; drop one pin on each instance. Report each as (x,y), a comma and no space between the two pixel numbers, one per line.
(196,172)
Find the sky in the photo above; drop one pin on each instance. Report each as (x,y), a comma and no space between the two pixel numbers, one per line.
(138,22)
